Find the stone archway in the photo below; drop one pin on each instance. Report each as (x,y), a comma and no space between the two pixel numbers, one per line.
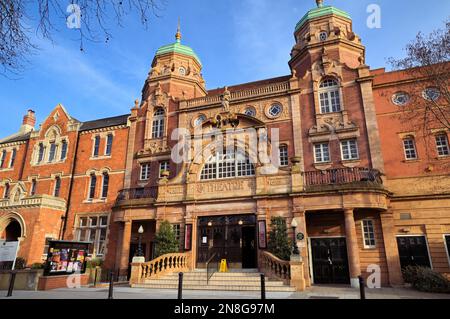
(12,227)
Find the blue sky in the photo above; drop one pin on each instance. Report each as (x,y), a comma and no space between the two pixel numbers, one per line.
(238,41)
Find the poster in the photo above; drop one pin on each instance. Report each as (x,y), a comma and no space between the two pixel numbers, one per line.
(262,239)
(66,257)
(8,254)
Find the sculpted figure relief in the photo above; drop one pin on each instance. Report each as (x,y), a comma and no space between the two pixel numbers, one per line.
(226,97)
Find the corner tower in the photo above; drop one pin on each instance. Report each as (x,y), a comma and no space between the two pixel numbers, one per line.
(325,30)
(177,69)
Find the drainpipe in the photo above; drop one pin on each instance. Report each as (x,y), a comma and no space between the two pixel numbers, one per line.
(22,165)
(72,179)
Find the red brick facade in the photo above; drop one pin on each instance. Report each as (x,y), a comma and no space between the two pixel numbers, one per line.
(340,126)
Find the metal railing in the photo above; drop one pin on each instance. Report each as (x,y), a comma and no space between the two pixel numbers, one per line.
(211,267)
(138,193)
(341,176)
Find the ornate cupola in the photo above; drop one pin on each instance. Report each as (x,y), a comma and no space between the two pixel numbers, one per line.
(177,68)
(325,29)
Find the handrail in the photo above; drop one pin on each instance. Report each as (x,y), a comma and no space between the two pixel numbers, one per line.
(275,267)
(208,274)
(164,264)
(339,176)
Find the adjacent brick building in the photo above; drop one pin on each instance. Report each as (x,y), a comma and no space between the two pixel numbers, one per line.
(352,175)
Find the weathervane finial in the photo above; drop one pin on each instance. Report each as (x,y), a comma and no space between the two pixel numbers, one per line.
(178,34)
(319,3)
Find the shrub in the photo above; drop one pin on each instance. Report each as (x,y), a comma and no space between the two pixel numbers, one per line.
(166,241)
(95,262)
(279,244)
(38,266)
(426,279)
(20,263)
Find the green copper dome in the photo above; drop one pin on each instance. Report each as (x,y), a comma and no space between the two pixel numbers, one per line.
(177,47)
(321,11)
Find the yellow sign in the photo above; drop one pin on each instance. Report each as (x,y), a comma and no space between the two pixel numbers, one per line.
(223,266)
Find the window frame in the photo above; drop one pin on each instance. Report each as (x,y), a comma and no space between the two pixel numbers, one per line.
(41,153)
(13,158)
(97,228)
(349,141)
(53,150)
(167,167)
(158,124)
(321,144)
(225,165)
(447,247)
(283,155)
(371,234)
(105,177)
(414,148)
(64,148)
(7,191)
(147,171)
(92,189)
(3,159)
(57,187)
(325,94)
(439,147)
(33,187)
(109,144)
(96,146)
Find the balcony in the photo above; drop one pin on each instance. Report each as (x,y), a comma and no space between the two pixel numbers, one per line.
(38,201)
(342,178)
(135,197)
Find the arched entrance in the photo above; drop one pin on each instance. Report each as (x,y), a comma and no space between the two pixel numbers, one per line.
(13,231)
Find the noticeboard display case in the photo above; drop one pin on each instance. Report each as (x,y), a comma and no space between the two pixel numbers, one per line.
(66,257)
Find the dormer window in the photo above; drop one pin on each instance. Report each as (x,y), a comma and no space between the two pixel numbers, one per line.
(329,97)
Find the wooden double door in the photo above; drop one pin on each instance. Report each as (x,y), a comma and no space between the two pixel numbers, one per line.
(329,261)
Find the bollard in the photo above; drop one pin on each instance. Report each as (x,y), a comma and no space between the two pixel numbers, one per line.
(362,287)
(180,286)
(95,277)
(11,283)
(111,285)
(263,287)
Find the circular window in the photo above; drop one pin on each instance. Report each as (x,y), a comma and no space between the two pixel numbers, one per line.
(323,36)
(250,111)
(275,110)
(182,71)
(431,94)
(400,98)
(200,120)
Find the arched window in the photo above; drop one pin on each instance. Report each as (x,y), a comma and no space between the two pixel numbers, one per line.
(329,98)
(227,164)
(105,185)
(92,185)
(158,124)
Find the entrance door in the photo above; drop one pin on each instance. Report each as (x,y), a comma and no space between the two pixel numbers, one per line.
(248,247)
(413,251)
(329,261)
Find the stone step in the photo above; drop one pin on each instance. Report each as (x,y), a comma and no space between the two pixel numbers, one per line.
(215,282)
(226,287)
(216,274)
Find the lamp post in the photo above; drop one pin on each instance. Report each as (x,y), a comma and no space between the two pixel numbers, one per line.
(294,243)
(139,250)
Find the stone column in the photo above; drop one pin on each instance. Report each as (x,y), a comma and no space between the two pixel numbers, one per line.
(391,249)
(299,215)
(125,247)
(352,248)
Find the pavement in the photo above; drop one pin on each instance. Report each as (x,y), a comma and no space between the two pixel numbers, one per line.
(315,292)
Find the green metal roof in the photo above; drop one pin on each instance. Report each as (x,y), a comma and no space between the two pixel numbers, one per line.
(177,47)
(320,12)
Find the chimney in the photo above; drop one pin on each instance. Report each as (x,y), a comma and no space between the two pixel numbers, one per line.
(29,120)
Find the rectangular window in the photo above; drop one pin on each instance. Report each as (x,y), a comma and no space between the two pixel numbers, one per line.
(177,231)
(163,166)
(57,186)
(96,146)
(33,187)
(41,153)
(368,233)
(63,150)
(94,229)
(52,154)
(3,159)
(321,153)
(447,245)
(283,155)
(92,185)
(7,189)
(442,145)
(145,171)
(105,185)
(109,142)
(158,128)
(349,150)
(13,158)
(410,149)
